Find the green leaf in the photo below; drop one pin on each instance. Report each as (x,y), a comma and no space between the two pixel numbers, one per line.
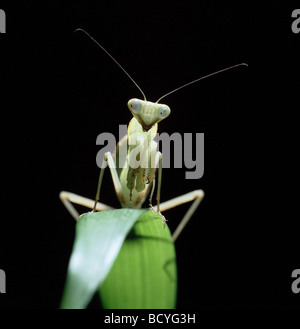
(99,237)
(144,273)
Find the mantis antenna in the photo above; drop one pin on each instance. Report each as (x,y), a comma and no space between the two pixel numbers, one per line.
(107,53)
(204,77)
(169,93)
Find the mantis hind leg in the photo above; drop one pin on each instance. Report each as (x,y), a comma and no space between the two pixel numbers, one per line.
(157,209)
(159,155)
(68,198)
(195,196)
(114,174)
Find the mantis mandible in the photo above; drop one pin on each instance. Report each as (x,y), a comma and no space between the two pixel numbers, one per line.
(133,185)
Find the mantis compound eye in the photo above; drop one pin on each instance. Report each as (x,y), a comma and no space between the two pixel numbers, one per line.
(135,105)
(163,111)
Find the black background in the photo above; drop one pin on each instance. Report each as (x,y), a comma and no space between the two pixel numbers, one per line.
(59,91)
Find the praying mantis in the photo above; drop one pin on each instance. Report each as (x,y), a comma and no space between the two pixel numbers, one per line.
(134,184)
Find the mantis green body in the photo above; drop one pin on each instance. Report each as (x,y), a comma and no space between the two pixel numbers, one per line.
(134,183)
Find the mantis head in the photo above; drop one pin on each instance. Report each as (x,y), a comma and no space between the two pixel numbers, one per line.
(148,113)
